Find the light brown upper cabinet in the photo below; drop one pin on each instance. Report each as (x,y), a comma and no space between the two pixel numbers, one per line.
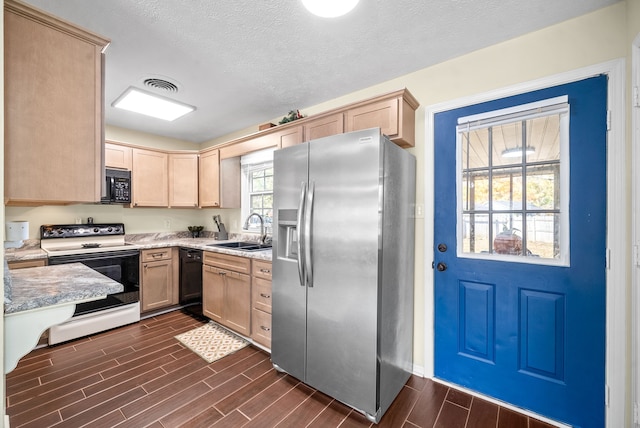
(324,126)
(53,109)
(183,180)
(394,113)
(150,178)
(209,181)
(117,156)
(288,137)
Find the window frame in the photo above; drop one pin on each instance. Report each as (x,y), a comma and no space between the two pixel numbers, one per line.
(250,163)
(557,105)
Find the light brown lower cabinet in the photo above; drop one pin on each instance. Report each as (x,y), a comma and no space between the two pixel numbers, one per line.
(158,286)
(261,302)
(226,291)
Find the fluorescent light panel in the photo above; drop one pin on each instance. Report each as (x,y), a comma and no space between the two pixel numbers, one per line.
(329,8)
(151,105)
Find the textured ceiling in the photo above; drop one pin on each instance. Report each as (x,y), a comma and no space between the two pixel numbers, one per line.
(244,62)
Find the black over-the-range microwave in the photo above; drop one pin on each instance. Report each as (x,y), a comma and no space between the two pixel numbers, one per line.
(118,187)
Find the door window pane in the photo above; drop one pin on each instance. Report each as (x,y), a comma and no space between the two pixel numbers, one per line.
(512,181)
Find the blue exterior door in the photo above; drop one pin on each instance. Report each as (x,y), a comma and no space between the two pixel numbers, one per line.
(520,257)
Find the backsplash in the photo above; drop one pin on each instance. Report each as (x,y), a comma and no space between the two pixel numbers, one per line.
(136,220)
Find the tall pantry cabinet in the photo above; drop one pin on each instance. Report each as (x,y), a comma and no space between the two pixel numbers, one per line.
(53,109)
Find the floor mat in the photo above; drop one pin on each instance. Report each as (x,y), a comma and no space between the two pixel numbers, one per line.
(211,341)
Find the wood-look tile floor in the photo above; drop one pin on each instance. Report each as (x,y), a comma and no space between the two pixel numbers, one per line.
(139,376)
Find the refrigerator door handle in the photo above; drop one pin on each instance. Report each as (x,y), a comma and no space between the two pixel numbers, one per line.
(308,238)
(300,232)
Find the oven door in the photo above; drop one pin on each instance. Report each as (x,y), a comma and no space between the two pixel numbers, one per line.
(121,266)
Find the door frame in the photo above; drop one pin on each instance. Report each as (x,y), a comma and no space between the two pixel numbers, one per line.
(614,396)
(635,227)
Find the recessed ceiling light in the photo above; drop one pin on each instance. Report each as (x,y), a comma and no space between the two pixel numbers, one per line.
(151,105)
(329,8)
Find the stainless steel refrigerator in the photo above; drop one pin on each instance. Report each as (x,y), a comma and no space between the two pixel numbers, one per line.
(343,267)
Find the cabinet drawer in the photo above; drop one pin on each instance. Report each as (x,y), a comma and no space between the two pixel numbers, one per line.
(261,291)
(21,264)
(261,269)
(156,254)
(261,330)
(226,272)
(225,261)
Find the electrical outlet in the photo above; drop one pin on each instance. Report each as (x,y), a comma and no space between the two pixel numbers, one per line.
(167,224)
(419,211)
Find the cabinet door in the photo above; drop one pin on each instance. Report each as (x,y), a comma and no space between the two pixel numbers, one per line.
(237,301)
(210,179)
(117,156)
(213,293)
(150,181)
(156,287)
(324,127)
(289,137)
(53,109)
(382,114)
(183,180)
(230,182)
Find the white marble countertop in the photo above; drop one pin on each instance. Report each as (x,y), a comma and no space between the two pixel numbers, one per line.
(39,287)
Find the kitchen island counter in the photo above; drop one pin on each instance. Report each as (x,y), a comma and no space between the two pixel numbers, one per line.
(40,297)
(38,287)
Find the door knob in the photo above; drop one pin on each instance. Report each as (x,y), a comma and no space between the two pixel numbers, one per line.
(441,267)
(442,247)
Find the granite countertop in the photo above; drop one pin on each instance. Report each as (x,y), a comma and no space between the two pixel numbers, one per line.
(38,287)
(148,241)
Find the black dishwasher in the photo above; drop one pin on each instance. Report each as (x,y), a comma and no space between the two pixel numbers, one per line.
(191,280)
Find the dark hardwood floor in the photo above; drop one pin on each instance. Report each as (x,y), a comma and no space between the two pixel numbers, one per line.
(140,375)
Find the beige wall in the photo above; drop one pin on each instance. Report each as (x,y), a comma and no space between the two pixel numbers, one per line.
(594,38)
(123,135)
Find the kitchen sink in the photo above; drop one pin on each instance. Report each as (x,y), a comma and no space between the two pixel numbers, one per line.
(242,246)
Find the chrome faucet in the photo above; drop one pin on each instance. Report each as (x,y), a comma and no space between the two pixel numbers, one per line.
(263,236)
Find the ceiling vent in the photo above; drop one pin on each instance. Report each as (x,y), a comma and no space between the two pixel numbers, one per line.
(161,84)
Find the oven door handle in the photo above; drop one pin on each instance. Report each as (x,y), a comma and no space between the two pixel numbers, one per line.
(104,255)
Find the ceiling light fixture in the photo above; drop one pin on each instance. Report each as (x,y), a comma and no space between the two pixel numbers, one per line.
(151,105)
(516,152)
(329,8)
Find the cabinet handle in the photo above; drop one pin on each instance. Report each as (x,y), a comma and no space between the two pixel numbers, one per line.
(265,271)
(265,328)
(156,255)
(266,296)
